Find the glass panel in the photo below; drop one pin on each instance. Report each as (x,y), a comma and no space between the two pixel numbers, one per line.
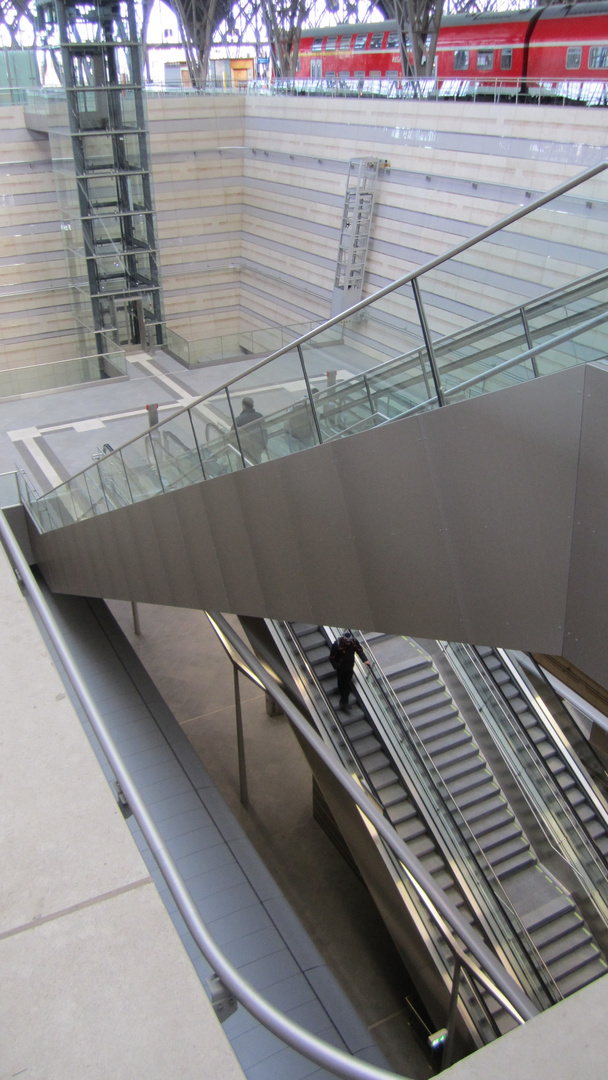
(141,468)
(95,490)
(550,318)
(473,356)
(80,498)
(345,408)
(176,453)
(402,386)
(217,443)
(62,505)
(280,400)
(114,480)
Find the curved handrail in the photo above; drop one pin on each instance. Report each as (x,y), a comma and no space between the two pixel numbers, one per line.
(491,973)
(413,275)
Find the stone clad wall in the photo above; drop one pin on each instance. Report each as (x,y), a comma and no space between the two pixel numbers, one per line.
(249,193)
(453,169)
(34,299)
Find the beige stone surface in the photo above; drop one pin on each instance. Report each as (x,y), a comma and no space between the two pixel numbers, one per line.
(94,980)
(567,1042)
(107,991)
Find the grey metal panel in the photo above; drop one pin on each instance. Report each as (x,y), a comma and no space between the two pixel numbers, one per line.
(586,633)
(453,524)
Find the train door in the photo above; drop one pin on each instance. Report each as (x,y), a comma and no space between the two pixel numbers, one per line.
(316,69)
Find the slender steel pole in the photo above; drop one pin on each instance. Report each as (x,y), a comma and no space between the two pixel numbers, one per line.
(448,1047)
(240,741)
(136,622)
(428,343)
(526,326)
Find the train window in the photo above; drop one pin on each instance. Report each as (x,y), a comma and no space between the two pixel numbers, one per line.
(330,44)
(376,41)
(346,41)
(461,59)
(598,56)
(330,77)
(343,76)
(375,74)
(359,74)
(485,59)
(574,56)
(392,41)
(360,41)
(506,59)
(317,44)
(393,75)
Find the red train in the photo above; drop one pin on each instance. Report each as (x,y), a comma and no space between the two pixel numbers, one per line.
(541,52)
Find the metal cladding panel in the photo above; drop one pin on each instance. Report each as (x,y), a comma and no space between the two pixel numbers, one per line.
(454,524)
(586,636)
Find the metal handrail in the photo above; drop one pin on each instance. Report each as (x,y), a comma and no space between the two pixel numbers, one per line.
(491,973)
(289,1032)
(559,740)
(476,852)
(558,837)
(413,275)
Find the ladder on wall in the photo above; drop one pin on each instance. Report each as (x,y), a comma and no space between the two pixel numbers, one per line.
(354,237)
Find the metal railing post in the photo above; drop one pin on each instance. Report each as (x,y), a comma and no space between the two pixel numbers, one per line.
(240,741)
(427,341)
(526,326)
(448,1046)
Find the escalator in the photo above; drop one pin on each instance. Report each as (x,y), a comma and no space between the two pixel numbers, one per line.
(413,752)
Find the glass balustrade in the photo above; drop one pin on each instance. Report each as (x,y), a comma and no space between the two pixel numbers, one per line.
(394,355)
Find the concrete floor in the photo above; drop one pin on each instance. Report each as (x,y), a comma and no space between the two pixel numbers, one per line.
(192,672)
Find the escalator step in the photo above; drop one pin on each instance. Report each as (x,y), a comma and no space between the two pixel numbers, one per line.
(556,929)
(516,864)
(458,738)
(394,799)
(560,906)
(383,778)
(494,819)
(365,745)
(374,762)
(463,768)
(433,701)
(566,944)
(455,754)
(508,850)
(410,830)
(475,812)
(501,835)
(480,795)
(568,984)
(445,712)
(432,732)
(574,961)
(469,782)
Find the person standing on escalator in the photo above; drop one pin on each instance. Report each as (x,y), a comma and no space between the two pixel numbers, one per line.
(342,659)
(253,434)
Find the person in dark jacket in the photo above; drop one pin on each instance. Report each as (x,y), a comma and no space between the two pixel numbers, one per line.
(342,658)
(252,431)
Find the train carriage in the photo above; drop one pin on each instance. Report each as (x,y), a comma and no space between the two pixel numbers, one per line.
(541,53)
